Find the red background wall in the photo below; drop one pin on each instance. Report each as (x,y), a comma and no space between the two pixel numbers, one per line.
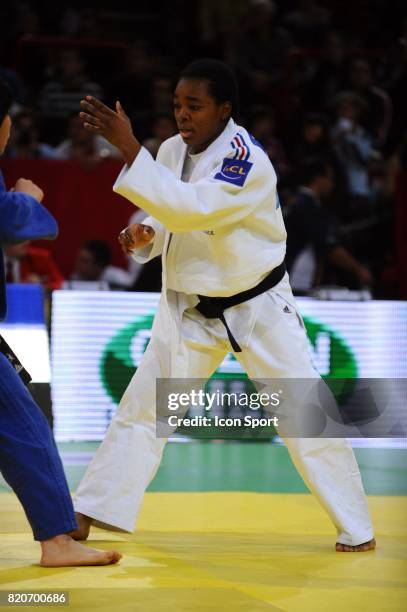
(82,201)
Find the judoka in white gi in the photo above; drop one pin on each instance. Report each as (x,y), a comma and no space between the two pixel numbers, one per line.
(217,223)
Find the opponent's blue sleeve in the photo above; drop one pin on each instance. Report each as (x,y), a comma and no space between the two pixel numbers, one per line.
(22,218)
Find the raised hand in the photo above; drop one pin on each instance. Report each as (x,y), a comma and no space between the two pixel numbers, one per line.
(113,125)
(135,236)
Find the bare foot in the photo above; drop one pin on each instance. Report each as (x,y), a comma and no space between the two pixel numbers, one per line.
(63,551)
(371,545)
(84,523)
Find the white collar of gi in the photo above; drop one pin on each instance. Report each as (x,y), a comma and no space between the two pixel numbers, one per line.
(221,142)
(224,137)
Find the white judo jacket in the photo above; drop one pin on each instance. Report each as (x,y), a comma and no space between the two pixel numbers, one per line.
(222,231)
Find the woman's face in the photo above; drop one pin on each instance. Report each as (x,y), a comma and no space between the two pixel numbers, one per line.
(199,117)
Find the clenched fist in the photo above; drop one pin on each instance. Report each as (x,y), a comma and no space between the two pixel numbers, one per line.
(30,188)
(135,236)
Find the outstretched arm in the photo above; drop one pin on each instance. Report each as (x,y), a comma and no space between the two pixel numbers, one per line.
(225,197)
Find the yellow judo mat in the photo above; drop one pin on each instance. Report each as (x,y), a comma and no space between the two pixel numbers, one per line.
(222,551)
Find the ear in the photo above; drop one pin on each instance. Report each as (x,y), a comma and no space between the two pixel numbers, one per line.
(226,111)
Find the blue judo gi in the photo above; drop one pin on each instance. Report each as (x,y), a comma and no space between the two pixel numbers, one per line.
(29,459)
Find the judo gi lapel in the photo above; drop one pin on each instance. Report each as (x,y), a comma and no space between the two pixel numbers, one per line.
(177,303)
(178,173)
(215,150)
(181,161)
(170,301)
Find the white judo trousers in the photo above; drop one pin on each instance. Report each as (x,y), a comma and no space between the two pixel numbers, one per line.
(274,345)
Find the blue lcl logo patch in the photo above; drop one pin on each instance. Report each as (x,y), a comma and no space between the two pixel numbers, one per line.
(234,171)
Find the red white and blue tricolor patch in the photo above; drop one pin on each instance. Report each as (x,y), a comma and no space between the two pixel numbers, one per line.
(240,147)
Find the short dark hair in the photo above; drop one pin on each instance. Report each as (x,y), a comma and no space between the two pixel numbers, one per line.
(6,99)
(100,250)
(221,79)
(311,168)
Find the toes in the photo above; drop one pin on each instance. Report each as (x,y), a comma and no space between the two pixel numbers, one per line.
(113,556)
(371,545)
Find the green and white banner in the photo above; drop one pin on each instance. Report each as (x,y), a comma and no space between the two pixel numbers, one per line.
(98,339)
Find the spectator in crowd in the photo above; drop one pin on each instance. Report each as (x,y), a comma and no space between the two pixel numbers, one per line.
(315,142)
(60,97)
(28,20)
(313,239)
(261,52)
(93,265)
(308,23)
(396,191)
(27,264)
(394,81)
(354,147)
(81,22)
(133,86)
(17,87)
(219,24)
(162,94)
(330,76)
(263,128)
(82,146)
(24,140)
(314,138)
(163,127)
(377,117)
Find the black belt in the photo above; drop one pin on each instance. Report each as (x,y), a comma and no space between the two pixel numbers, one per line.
(14,361)
(213,307)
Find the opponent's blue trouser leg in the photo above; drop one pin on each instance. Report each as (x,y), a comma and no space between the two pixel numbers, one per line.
(29,459)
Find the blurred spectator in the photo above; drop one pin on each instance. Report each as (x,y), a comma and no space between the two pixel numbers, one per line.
(378,106)
(70,22)
(330,76)
(133,86)
(219,25)
(314,139)
(83,23)
(24,139)
(28,20)
(354,147)
(396,191)
(162,94)
(28,264)
(394,80)
(261,51)
(84,146)
(263,127)
(163,127)
(315,142)
(93,264)
(60,97)
(308,23)
(313,240)
(14,81)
